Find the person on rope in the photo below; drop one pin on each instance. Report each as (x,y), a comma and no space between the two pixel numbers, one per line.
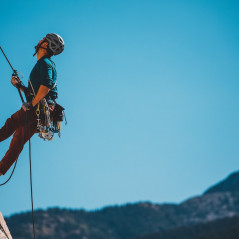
(42,84)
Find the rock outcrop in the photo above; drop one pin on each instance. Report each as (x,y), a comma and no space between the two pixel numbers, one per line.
(4,232)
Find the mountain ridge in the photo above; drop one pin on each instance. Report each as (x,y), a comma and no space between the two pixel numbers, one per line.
(126,221)
(230,184)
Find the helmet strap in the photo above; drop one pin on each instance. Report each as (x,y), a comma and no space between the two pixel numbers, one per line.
(39,46)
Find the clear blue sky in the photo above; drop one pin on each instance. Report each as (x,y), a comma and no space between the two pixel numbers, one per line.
(151,95)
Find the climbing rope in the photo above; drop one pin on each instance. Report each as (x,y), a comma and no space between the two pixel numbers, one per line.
(24,133)
(10,175)
(30,162)
(17,158)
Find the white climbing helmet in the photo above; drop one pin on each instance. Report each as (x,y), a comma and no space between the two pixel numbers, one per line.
(55,43)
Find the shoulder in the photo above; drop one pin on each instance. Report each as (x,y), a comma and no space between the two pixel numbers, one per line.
(46,62)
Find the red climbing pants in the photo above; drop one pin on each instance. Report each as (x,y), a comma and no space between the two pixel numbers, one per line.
(23,126)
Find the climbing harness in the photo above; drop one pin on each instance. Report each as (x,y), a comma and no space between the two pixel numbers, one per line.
(45,126)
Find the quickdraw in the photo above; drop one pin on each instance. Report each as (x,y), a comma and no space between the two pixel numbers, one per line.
(45,125)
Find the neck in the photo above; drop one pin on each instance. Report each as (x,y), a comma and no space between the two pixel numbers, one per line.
(40,54)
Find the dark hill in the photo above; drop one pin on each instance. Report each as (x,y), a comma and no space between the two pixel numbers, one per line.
(127,221)
(227,228)
(230,184)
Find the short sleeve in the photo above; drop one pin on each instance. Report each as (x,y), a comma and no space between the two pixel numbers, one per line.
(46,74)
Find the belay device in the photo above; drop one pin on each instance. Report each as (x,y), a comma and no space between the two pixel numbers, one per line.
(47,124)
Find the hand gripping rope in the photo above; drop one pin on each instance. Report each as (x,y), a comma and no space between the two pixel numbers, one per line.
(24,133)
(14,74)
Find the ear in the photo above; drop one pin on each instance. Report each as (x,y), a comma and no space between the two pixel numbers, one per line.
(45,44)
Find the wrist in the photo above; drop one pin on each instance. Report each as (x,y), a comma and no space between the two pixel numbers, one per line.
(27,106)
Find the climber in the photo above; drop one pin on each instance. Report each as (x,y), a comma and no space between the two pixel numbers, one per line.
(42,85)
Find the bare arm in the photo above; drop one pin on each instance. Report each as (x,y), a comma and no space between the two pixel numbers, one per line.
(42,92)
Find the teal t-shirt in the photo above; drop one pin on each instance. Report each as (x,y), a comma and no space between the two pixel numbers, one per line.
(44,73)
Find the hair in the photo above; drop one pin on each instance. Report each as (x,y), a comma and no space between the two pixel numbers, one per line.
(50,53)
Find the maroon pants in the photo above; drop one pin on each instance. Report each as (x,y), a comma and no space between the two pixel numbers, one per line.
(23,126)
